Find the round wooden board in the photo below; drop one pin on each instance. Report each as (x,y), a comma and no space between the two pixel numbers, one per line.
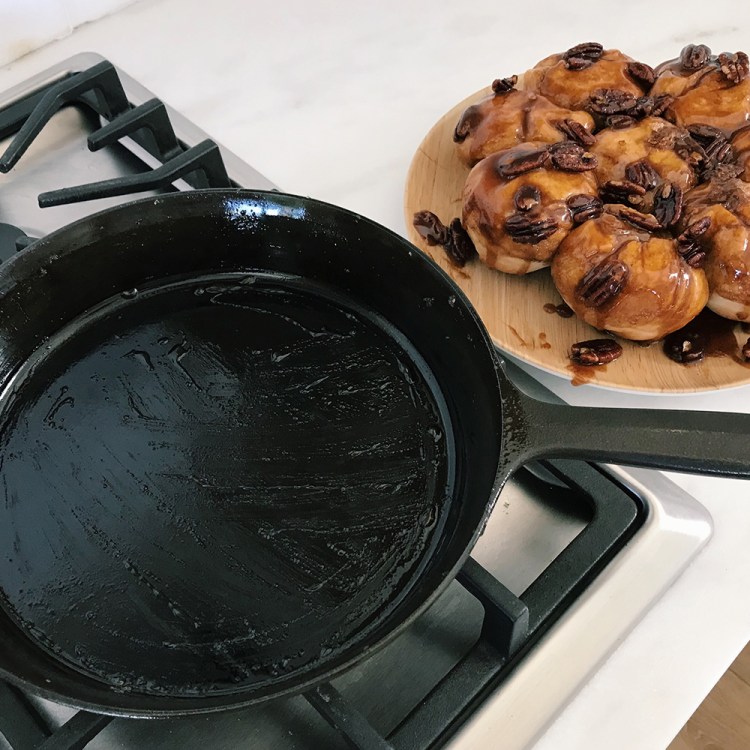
(512,307)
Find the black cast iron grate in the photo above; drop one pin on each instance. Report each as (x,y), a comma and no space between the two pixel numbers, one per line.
(100,90)
(511,624)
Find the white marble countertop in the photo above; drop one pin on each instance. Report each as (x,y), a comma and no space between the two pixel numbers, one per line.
(331,99)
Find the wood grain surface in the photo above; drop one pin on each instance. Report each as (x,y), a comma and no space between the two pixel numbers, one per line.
(722,721)
(512,307)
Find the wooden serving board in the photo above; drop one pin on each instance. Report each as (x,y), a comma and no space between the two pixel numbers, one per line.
(512,307)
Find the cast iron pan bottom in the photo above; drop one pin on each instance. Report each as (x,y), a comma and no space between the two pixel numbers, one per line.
(203,481)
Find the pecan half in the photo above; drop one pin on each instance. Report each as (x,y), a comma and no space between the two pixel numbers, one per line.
(689,244)
(582,55)
(453,238)
(704,134)
(643,107)
(692,253)
(622,191)
(610,102)
(592,50)
(716,147)
(636,218)
(523,163)
(602,283)
(430,228)
(661,104)
(746,351)
(642,173)
(720,151)
(459,246)
(470,118)
(527,197)
(574,131)
(570,157)
(689,150)
(577,63)
(619,122)
(595,352)
(724,172)
(668,204)
(641,73)
(684,347)
(583,207)
(696,229)
(694,56)
(735,67)
(504,85)
(522,228)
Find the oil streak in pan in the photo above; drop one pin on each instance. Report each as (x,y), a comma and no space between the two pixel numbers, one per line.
(211,484)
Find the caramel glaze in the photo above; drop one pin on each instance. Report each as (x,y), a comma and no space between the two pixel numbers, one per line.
(727,242)
(719,336)
(521,340)
(581,374)
(506,119)
(562,309)
(741,143)
(653,140)
(488,201)
(661,294)
(543,343)
(571,88)
(704,96)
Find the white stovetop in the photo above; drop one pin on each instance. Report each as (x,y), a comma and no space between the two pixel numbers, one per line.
(330,99)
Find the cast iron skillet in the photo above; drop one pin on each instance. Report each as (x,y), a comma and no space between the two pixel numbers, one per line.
(245,439)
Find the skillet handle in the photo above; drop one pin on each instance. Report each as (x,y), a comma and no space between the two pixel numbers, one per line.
(690,441)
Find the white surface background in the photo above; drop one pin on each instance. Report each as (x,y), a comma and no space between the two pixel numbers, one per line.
(331,99)
(28,24)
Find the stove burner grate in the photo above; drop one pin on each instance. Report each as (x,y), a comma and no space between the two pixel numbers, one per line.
(99,89)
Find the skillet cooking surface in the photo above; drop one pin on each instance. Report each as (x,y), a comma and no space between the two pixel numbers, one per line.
(204,481)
